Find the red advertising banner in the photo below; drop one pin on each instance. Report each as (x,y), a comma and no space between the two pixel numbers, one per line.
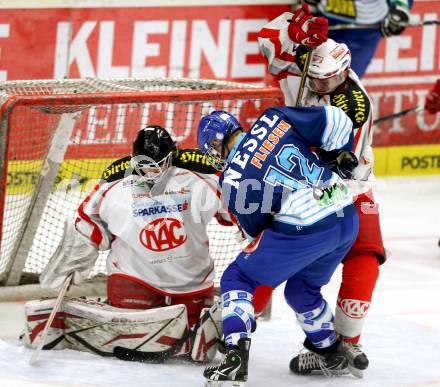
(401,74)
(217,42)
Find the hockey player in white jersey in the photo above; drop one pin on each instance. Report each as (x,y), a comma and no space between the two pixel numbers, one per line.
(391,17)
(154,224)
(330,81)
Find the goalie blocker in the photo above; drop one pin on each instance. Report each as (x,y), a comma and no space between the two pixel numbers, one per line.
(151,335)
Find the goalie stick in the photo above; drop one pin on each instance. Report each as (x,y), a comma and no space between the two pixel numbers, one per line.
(339,27)
(52,315)
(128,354)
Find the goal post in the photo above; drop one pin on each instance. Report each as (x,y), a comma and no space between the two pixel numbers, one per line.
(58,136)
(46,179)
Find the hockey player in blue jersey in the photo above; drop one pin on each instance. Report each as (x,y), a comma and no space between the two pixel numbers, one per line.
(298,213)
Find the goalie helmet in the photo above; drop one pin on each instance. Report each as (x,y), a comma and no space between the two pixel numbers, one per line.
(212,135)
(328,67)
(152,153)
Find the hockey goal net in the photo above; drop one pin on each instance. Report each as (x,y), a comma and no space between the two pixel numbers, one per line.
(58,136)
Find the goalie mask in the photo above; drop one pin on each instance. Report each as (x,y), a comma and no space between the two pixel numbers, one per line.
(152,153)
(212,135)
(328,67)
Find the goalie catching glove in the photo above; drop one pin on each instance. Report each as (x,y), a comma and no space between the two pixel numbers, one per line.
(75,254)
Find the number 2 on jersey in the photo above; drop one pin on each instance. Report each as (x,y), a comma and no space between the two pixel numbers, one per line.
(292,161)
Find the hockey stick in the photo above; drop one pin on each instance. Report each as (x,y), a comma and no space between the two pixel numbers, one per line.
(414,109)
(340,27)
(52,315)
(128,354)
(302,83)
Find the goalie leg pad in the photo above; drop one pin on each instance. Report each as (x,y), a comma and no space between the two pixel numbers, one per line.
(208,332)
(36,315)
(92,326)
(98,327)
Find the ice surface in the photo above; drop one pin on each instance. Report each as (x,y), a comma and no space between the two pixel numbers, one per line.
(401,336)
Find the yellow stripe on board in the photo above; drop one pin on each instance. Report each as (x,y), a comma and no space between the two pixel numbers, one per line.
(23,175)
(389,161)
(407,160)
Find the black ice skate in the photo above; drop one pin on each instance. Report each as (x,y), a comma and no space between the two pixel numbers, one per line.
(324,363)
(233,368)
(357,360)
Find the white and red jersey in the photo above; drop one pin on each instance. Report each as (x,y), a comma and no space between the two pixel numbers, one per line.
(157,235)
(281,55)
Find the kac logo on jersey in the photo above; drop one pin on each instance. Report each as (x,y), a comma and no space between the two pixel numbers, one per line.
(163,234)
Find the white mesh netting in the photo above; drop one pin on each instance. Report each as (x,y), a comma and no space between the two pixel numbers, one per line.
(110,113)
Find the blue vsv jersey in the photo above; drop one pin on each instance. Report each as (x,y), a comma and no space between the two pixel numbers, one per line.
(274,180)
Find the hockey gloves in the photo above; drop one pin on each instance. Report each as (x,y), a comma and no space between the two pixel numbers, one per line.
(306,29)
(396,21)
(432,103)
(341,162)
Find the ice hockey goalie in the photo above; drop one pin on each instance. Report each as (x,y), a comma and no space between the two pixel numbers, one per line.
(152,218)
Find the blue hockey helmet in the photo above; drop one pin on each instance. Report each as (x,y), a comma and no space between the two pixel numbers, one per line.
(213,132)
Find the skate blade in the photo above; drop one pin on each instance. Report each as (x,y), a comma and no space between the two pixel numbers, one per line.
(356,372)
(215,383)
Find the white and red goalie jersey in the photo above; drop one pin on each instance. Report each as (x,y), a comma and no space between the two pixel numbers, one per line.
(284,58)
(157,235)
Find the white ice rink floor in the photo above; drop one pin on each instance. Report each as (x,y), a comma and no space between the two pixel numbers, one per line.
(401,335)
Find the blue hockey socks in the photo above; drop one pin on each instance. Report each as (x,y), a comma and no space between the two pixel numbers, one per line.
(317,324)
(237,315)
